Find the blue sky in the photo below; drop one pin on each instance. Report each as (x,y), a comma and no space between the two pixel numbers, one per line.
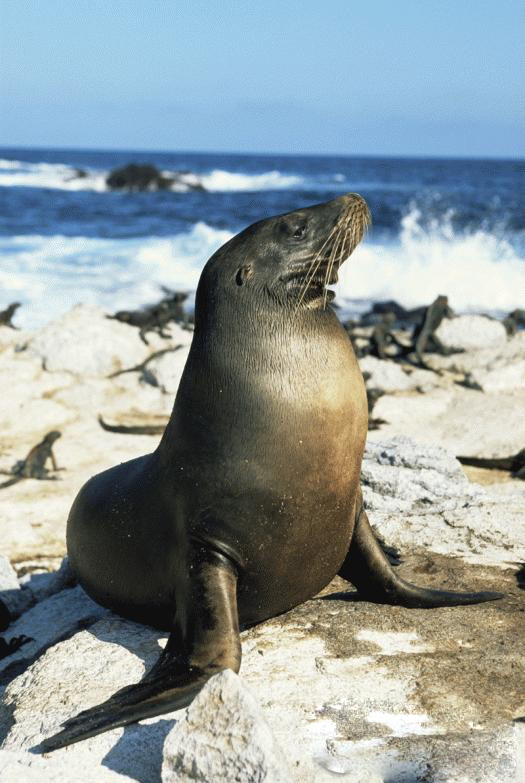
(381,77)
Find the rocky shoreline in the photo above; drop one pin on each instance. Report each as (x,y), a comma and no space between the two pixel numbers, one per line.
(335,686)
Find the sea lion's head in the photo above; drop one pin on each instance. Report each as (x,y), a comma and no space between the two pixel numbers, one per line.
(287,260)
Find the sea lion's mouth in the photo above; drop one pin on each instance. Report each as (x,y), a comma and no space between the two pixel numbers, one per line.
(318,286)
(316,294)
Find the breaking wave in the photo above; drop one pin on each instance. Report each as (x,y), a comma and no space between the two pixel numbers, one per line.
(49,275)
(478,270)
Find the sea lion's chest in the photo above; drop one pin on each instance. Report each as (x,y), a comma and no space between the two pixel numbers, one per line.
(277,473)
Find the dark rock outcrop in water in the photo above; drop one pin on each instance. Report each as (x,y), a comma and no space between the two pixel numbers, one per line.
(136,177)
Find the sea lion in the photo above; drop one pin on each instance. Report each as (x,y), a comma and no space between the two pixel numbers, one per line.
(251,503)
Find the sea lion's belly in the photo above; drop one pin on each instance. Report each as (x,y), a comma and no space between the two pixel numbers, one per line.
(291,554)
(286,515)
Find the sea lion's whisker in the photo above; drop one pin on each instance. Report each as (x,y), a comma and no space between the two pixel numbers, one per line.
(332,260)
(313,269)
(330,265)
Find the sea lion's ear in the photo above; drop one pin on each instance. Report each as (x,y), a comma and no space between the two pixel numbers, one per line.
(243,274)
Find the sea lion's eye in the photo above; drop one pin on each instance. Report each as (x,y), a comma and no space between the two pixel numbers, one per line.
(243,274)
(299,232)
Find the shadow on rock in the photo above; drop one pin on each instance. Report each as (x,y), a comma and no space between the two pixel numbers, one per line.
(140,640)
(139,752)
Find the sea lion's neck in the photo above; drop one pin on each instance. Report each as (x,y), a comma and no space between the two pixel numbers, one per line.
(244,374)
(238,347)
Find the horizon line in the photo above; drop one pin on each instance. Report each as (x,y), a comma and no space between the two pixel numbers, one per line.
(398,156)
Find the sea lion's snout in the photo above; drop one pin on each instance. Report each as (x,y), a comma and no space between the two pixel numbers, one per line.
(353,218)
(336,228)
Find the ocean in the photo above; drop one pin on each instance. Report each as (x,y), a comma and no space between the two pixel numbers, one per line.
(454,227)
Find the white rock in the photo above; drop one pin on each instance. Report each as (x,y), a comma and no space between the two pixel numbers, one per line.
(509,376)
(471,331)
(85,342)
(463,421)
(225,737)
(390,376)
(76,674)
(23,767)
(49,621)
(350,687)
(12,596)
(419,496)
(10,338)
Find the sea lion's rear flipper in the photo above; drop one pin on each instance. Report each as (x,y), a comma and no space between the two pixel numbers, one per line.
(392,554)
(367,567)
(205,640)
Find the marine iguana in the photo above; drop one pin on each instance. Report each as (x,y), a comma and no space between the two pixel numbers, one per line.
(34,465)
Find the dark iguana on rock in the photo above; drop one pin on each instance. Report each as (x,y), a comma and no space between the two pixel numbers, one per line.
(382,336)
(155,317)
(6,316)
(133,429)
(34,465)
(425,338)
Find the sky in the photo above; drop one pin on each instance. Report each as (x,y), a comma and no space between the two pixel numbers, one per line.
(381,77)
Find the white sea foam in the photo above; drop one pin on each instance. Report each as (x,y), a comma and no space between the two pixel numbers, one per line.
(51,274)
(218,180)
(49,175)
(11,164)
(478,271)
(63,177)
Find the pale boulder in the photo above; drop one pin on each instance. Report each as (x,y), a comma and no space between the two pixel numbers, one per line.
(471,332)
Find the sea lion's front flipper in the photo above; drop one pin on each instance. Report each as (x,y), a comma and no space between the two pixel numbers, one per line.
(205,640)
(368,568)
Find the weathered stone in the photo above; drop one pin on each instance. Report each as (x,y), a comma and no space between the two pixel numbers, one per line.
(345,686)
(23,767)
(419,496)
(501,378)
(471,331)
(391,377)
(106,345)
(46,623)
(224,736)
(76,674)
(480,756)
(461,420)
